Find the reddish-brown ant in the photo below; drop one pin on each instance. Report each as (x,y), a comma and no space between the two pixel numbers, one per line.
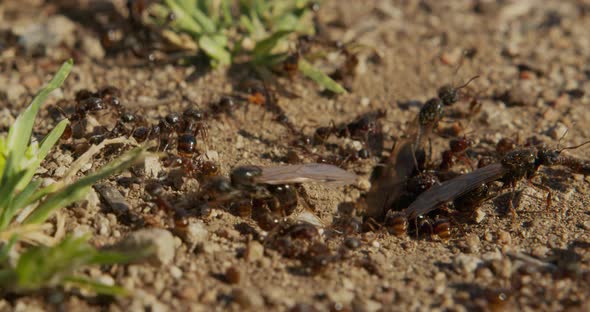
(457,148)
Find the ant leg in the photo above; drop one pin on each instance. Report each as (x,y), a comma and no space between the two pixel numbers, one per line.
(511,202)
(464,159)
(549,199)
(450,214)
(430,228)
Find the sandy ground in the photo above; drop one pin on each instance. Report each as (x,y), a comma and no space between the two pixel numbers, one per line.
(532,58)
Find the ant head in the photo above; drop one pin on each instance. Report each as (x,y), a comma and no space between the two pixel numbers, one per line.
(550,157)
(449,95)
(547,157)
(245,175)
(367,124)
(431,112)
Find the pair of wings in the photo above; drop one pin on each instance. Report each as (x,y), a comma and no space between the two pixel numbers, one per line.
(452,189)
(306,173)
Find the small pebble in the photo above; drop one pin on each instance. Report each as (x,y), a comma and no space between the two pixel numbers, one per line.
(92,47)
(365,101)
(247,298)
(232,275)
(466,264)
(557,131)
(488,236)
(519,96)
(451,57)
(484,273)
(502,268)
(176,272)
(254,251)
(152,166)
(160,240)
(540,251)
(473,243)
(196,232)
(189,293)
(352,243)
(364,184)
(479,216)
(504,237)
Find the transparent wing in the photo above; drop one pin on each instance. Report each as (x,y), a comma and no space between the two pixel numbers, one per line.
(388,186)
(306,173)
(451,189)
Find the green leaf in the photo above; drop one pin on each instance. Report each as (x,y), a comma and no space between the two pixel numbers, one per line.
(76,190)
(214,50)
(190,7)
(259,31)
(8,183)
(20,201)
(20,132)
(105,257)
(287,22)
(52,138)
(5,250)
(97,287)
(182,20)
(226,10)
(264,47)
(42,266)
(271,60)
(319,77)
(48,142)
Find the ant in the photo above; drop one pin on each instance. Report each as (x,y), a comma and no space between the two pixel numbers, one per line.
(88,102)
(365,128)
(409,156)
(179,215)
(266,193)
(456,151)
(514,166)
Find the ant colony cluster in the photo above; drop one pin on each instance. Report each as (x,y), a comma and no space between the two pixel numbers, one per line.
(411,192)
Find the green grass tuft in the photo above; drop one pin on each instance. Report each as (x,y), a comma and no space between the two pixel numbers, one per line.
(255,32)
(45,266)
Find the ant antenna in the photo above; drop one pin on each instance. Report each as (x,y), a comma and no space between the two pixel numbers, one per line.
(574,147)
(468,82)
(460,64)
(463,53)
(561,138)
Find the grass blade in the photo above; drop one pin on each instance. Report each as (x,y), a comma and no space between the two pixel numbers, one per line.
(5,250)
(264,47)
(76,190)
(207,25)
(214,50)
(319,77)
(19,202)
(20,132)
(183,21)
(8,183)
(48,142)
(97,287)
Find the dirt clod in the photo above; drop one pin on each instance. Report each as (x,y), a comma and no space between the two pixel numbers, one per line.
(160,240)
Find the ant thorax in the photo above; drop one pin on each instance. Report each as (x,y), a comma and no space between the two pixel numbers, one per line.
(519,163)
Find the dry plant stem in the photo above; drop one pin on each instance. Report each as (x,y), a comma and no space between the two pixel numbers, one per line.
(87,156)
(29,233)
